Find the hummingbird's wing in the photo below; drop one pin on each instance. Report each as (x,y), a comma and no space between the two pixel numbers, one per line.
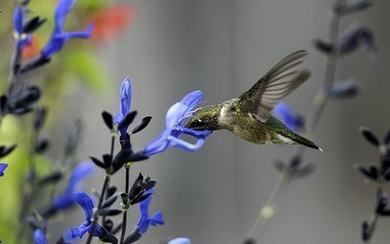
(283,78)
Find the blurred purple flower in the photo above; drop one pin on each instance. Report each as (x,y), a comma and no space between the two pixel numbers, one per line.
(59,38)
(351,39)
(145,221)
(40,237)
(175,116)
(3,166)
(66,198)
(344,89)
(285,113)
(86,203)
(180,240)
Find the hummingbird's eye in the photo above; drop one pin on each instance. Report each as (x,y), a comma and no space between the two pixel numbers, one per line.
(196,123)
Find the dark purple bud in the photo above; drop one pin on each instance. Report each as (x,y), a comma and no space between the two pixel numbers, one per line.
(3,104)
(4,150)
(42,145)
(107,159)
(107,118)
(370,137)
(133,237)
(344,89)
(371,172)
(51,178)
(366,231)
(33,24)
(40,115)
(34,64)
(324,47)
(144,123)
(109,201)
(98,162)
(111,191)
(109,212)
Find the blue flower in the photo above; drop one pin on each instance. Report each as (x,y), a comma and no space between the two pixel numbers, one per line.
(59,38)
(66,199)
(174,128)
(21,38)
(3,166)
(291,119)
(145,221)
(86,203)
(40,237)
(180,240)
(125,103)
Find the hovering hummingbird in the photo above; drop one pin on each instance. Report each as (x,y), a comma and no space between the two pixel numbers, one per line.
(249,116)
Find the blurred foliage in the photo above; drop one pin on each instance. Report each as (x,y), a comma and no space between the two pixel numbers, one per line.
(77,62)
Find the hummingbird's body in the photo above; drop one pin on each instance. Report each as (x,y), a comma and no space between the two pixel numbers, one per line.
(249,116)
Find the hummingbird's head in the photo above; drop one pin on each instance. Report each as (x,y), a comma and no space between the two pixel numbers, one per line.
(205,118)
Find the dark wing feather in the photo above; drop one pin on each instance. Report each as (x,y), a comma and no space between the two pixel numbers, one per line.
(283,78)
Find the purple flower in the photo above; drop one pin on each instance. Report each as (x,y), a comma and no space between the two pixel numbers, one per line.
(66,199)
(124,104)
(350,40)
(145,221)
(291,119)
(3,166)
(175,116)
(87,205)
(180,240)
(21,38)
(40,237)
(59,38)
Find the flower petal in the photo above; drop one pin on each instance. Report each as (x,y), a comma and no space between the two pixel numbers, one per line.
(3,166)
(18,19)
(180,240)
(86,203)
(62,10)
(39,237)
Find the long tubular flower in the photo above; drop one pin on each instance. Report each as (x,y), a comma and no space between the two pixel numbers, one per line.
(66,198)
(19,19)
(175,116)
(59,38)
(87,205)
(145,221)
(3,166)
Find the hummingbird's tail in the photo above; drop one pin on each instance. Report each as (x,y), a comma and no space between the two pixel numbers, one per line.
(287,136)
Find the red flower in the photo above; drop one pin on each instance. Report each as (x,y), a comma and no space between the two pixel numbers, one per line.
(32,49)
(111,22)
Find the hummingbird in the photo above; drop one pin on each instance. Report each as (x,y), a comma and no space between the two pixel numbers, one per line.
(249,115)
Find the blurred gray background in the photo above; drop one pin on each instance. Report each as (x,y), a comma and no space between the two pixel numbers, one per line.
(221,47)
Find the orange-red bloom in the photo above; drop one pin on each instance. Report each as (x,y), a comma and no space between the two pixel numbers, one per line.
(112,21)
